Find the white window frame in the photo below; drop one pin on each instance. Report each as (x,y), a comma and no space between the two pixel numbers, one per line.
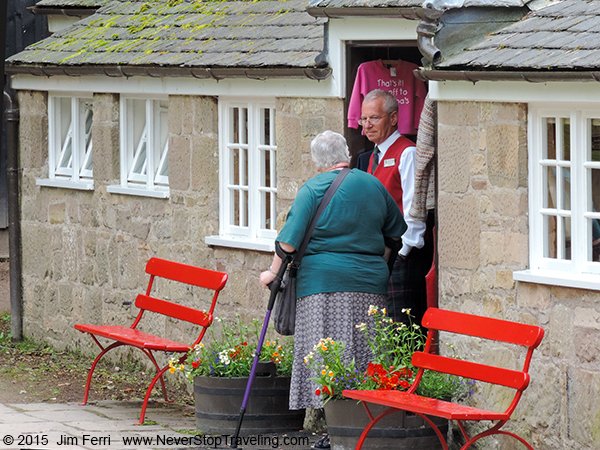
(578,271)
(77,171)
(145,152)
(255,234)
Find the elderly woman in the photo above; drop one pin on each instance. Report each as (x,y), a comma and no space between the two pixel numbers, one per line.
(344,269)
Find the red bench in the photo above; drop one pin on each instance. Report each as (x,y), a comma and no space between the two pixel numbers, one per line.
(149,343)
(527,336)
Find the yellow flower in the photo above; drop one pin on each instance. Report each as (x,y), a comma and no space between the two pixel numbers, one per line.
(331,374)
(384,311)
(172,370)
(323,372)
(372,310)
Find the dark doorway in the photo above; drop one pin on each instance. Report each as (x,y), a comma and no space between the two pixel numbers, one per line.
(359,52)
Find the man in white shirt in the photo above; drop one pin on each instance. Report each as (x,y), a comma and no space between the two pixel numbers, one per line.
(393,163)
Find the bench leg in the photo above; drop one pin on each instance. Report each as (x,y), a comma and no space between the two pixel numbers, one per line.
(103,352)
(156,366)
(494,430)
(387,412)
(158,376)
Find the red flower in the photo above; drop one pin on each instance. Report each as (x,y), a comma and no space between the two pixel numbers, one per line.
(195,364)
(318,392)
(327,391)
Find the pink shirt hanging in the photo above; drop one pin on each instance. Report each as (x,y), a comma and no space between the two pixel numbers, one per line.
(398,79)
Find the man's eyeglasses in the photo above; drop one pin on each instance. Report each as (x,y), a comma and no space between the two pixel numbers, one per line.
(373,120)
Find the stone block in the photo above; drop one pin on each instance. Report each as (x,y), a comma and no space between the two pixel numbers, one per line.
(106,110)
(504,279)
(56,213)
(459,231)
(503,158)
(454,158)
(588,348)
(106,153)
(584,413)
(205,111)
(517,249)
(204,164)
(559,343)
(534,296)
(33,142)
(493,247)
(461,114)
(179,163)
(587,317)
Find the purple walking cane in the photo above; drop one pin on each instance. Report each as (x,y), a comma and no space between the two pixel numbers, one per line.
(274,287)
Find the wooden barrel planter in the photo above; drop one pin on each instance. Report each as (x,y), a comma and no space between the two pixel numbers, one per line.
(218,402)
(347,418)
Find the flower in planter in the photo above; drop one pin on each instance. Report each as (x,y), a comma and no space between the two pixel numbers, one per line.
(230,352)
(392,345)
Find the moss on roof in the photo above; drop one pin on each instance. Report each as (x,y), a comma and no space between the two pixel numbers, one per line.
(186,33)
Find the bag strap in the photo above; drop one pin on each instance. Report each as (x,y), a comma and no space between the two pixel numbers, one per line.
(324,202)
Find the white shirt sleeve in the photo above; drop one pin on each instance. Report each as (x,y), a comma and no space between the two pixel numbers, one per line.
(415,231)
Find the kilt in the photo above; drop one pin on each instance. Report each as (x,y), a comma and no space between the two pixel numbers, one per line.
(406,286)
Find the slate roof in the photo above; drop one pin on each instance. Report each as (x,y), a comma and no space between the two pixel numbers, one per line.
(381,8)
(182,34)
(564,36)
(71,3)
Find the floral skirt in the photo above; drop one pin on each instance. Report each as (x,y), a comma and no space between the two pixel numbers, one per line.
(331,315)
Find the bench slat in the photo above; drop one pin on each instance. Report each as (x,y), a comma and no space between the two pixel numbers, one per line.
(131,336)
(196,276)
(484,327)
(425,405)
(490,374)
(173,310)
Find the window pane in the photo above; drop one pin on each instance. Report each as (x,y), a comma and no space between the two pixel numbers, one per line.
(565,237)
(566,140)
(64,130)
(243,208)
(550,233)
(139,159)
(235,206)
(266,168)
(550,134)
(243,167)
(162,146)
(550,180)
(265,138)
(566,188)
(234,162)
(86,151)
(594,224)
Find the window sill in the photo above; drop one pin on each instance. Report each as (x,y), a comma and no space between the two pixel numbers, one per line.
(128,190)
(261,245)
(87,185)
(556,278)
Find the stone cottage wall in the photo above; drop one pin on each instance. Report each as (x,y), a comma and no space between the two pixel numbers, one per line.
(483,238)
(84,251)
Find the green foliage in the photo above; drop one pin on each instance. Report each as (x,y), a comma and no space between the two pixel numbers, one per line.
(230,353)
(392,345)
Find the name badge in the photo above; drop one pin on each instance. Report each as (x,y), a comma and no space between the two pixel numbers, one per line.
(389,162)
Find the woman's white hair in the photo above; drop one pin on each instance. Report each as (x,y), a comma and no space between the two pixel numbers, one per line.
(328,149)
